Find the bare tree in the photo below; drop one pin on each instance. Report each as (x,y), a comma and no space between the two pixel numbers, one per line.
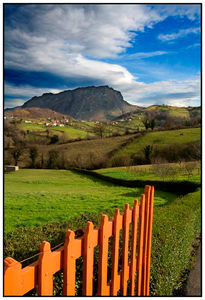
(17,151)
(100,129)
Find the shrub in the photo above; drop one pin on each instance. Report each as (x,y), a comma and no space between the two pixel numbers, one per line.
(121,160)
(54,139)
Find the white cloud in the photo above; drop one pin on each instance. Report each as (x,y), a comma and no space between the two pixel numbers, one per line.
(180,92)
(140,55)
(179,34)
(97,30)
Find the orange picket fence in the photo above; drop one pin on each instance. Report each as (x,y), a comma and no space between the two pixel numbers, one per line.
(132,279)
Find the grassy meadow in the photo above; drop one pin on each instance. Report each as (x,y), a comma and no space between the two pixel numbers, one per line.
(159,139)
(184,171)
(39,197)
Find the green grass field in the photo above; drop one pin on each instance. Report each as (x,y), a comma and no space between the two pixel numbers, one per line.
(32,127)
(161,138)
(190,171)
(69,131)
(39,197)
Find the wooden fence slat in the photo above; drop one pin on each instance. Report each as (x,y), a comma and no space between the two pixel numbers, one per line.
(115,276)
(69,265)
(140,245)
(105,231)
(133,265)
(12,277)
(150,239)
(89,242)
(29,277)
(144,266)
(45,276)
(125,265)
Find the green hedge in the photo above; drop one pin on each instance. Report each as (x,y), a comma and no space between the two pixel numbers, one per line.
(175,227)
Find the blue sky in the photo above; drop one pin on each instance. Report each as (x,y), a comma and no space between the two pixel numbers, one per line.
(151,53)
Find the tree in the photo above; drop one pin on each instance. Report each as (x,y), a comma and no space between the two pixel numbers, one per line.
(52,159)
(147,153)
(152,123)
(100,129)
(33,153)
(17,152)
(146,123)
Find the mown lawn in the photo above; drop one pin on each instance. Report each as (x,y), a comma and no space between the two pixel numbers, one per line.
(38,197)
(161,138)
(186,171)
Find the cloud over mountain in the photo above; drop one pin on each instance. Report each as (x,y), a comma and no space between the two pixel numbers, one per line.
(76,42)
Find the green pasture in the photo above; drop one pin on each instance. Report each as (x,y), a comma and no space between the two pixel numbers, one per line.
(180,112)
(162,138)
(70,131)
(190,171)
(32,127)
(38,197)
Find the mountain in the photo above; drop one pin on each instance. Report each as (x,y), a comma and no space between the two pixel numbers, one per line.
(36,113)
(86,103)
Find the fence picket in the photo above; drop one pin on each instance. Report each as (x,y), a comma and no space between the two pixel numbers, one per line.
(146,231)
(45,276)
(133,265)
(140,246)
(69,264)
(150,239)
(115,276)
(90,241)
(105,233)
(18,281)
(125,250)
(12,277)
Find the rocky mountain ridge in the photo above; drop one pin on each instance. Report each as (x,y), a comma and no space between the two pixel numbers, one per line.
(87,103)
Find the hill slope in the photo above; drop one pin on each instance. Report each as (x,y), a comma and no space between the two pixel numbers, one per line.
(36,113)
(88,103)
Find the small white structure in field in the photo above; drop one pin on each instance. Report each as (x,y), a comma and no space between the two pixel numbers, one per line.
(11,168)
(27,121)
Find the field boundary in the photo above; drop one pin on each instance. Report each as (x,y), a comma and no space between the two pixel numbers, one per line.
(178,187)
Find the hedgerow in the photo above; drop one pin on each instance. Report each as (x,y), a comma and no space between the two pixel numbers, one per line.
(175,228)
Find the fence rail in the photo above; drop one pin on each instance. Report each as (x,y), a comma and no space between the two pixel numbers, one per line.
(135,258)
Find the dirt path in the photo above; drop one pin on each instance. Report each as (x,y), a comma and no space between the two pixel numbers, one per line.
(193,286)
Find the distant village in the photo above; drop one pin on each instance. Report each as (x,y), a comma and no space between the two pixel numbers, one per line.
(61,123)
